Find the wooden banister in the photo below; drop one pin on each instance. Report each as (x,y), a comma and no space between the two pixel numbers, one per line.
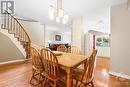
(13,26)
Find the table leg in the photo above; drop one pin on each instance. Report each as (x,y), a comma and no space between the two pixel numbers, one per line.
(69,79)
(85,65)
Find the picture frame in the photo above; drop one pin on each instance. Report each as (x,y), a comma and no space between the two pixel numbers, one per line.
(57,37)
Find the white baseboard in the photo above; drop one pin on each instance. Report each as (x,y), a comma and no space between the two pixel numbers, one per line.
(119,75)
(14,62)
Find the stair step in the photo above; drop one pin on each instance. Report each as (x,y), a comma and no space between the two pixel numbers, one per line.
(16,29)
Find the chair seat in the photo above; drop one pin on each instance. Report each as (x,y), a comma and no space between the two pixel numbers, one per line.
(85,76)
(59,75)
(52,69)
(77,75)
(38,70)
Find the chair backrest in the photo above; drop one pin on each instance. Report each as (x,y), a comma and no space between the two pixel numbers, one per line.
(36,61)
(74,50)
(50,63)
(89,70)
(62,48)
(37,47)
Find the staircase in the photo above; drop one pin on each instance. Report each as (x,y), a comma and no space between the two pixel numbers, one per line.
(13,26)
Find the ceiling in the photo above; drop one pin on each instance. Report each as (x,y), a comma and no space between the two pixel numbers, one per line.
(95,13)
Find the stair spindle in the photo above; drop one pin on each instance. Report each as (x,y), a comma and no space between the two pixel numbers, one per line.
(14,27)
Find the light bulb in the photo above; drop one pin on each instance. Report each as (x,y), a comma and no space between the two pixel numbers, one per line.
(65,19)
(58,19)
(60,13)
(51,12)
(51,17)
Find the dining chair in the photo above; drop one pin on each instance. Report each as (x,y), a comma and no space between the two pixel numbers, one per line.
(85,76)
(74,50)
(37,67)
(37,47)
(62,48)
(52,69)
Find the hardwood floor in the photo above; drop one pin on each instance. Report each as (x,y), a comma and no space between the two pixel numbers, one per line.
(18,75)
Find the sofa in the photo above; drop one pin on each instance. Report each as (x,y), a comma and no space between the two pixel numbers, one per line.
(54,46)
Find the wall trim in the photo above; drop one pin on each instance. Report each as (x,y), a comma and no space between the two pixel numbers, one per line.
(103,57)
(14,62)
(119,75)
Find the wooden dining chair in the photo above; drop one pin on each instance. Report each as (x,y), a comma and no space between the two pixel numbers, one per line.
(52,69)
(37,67)
(85,76)
(74,50)
(62,48)
(37,47)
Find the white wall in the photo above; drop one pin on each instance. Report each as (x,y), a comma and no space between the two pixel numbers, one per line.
(65,37)
(103,51)
(41,34)
(50,35)
(88,44)
(35,31)
(120,39)
(47,37)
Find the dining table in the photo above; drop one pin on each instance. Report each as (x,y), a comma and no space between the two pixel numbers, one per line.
(57,53)
(68,62)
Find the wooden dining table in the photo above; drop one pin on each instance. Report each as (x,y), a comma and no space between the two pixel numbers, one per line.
(68,62)
(57,53)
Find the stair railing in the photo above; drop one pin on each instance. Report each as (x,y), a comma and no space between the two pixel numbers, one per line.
(13,26)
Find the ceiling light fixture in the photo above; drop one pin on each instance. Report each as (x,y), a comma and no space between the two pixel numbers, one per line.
(57,13)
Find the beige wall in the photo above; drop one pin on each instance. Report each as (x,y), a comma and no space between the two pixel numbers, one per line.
(77,32)
(120,39)
(35,31)
(8,50)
